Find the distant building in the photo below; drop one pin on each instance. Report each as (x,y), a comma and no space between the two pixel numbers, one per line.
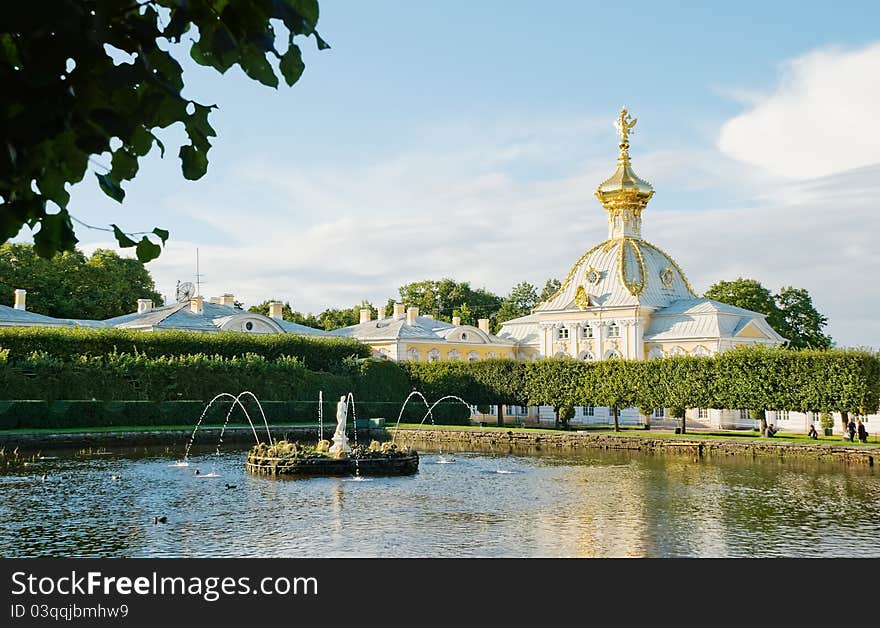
(407,336)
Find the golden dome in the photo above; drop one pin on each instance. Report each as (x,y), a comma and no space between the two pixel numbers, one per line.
(624,190)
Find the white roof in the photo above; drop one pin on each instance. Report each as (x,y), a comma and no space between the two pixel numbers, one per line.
(691,319)
(630,271)
(423,329)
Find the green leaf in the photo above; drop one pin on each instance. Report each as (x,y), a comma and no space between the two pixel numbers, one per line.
(124,165)
(55,234)
(110,187)
(194,163)
(140,141)
(292,65)
(162,233)
(147,251)
(253,62)
(322,45)
(123,240)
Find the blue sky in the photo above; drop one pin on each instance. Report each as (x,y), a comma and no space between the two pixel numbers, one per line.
(465,139)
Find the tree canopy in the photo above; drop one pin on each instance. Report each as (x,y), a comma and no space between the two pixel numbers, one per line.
(522,298)
(84,78)
(71,285)
(446,298)
(790,312)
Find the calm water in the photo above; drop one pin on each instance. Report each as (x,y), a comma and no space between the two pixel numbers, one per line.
(484,504)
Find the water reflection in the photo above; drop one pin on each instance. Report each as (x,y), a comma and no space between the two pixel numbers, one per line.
(549,504)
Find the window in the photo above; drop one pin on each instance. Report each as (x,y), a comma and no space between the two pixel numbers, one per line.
(491,355)
(702,413)
(614,331)
(453,355)
(701,351)
(744,415)
(414,355)
(655,353)
(612,354)
(587,332)
(782,415)
(464,335)
(473,356)
(588,410)
(249,326)
(814,416)
(659,413)
(433,355)
(562,333)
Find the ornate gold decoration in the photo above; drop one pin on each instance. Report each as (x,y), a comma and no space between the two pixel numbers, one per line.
(593,276)
(624,194)
(581,298)
(635,284)
(667,276)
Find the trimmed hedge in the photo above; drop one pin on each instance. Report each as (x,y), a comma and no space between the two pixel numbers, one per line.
(755,378)
(317,354)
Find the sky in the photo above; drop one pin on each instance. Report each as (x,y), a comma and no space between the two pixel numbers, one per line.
(465,139)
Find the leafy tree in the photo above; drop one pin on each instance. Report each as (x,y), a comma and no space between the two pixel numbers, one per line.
(464,313)
(442,298)
(749,294)
(70,285)
(791,312)
(66,99)
(522,298)
(550,288)
(804,322)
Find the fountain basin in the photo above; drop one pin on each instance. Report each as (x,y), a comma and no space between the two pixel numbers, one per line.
(294,460)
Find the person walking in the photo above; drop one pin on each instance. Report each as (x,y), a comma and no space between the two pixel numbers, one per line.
(851,429)
(862,432)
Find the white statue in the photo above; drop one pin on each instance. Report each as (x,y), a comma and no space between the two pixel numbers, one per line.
(340,440)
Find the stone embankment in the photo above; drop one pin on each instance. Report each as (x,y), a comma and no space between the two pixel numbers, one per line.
(525,441)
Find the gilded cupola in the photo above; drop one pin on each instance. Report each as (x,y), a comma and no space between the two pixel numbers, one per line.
(624,194)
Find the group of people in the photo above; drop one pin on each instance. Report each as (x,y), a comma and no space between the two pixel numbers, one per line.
(852,429)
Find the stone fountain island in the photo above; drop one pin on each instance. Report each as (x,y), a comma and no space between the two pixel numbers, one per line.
(284,458)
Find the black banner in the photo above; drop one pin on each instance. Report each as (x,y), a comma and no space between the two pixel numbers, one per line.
(247,592)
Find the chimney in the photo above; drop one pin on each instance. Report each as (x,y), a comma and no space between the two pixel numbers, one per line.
(275,310)
(456,320)
(20,299)
(399,311)
(145,305)
(411,314)
(483,324)
(214,300)
(380,313)
(227,299)
(197,305)
(366,315)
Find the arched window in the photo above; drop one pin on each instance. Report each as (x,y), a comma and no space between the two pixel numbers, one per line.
(491,355)
(473,356)
(414,355)
(701,351)
(433,355)
(614,330)
(587,356)
(454,355)
(677,351)
(612,354)
(655,353)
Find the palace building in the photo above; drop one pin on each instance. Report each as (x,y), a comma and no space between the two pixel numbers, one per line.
(627,298)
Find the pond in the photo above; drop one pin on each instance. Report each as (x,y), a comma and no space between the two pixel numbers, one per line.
(484,504)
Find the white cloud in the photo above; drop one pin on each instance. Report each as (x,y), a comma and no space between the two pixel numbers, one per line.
(820,120)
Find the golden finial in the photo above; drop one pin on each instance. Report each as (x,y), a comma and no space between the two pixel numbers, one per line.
(624,124)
